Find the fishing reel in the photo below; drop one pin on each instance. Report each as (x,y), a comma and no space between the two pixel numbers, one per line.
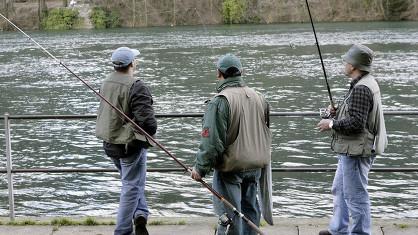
(225,221)
(324,113)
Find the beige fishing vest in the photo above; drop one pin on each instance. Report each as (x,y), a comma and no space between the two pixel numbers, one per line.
(373,139)
(248,137)
(110,126)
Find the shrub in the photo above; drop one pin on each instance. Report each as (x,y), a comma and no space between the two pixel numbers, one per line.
(62,222)
(233,11)
(103,18)
(394,9)
(60,19)
(90,221)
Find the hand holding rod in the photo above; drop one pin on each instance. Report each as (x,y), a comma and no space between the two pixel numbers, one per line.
(320,56)
(138,128)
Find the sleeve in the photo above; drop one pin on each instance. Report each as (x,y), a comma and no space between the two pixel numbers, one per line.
(360,103)
(141,105)
(213,135)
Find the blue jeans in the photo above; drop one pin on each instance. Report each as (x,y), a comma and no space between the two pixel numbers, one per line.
(132,203)
(351,197)
(240,189)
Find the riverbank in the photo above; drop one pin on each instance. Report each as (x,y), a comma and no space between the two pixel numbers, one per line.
(143,13)
(206,226)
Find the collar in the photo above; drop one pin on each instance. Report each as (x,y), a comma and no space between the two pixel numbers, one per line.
(230,82)
(356,80)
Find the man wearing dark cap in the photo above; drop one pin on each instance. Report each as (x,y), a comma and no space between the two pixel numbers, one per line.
(126,147)
(358,135)
(235,141)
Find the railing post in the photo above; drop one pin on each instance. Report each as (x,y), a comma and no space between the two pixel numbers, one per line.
(9,166)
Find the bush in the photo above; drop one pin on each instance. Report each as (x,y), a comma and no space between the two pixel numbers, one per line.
(62,222)
(60,19)
(103,18)
(233,11)
(90,221)
(395,8)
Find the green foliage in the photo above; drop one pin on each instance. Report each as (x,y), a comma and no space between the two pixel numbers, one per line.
(60,19)
(181,222)
(233,11)
(402,226)
(156,222)
(395,8)
(22,222)
(367,3)
(62,222)
(57,222)
(98,18)
(163,222)
(103,18)
(89,221)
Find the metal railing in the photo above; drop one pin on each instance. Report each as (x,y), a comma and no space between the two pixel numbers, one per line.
(9,171)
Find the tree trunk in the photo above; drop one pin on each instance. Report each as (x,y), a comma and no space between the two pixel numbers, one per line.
(65,3)
(4,10)
(9,7)
(146,13)
(174,12)
(41,10)
(133,13)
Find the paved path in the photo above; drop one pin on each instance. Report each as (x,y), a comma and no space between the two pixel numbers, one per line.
(205,226)
(84,11)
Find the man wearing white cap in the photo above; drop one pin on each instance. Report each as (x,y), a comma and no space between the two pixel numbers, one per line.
(126,148)
(358,135)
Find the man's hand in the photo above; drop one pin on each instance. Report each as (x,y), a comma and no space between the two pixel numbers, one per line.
(323,125)
(332,111)
(195,175)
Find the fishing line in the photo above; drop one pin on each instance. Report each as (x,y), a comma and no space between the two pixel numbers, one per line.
(208,35)
(141,131)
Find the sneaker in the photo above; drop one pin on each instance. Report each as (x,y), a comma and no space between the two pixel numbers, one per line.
(140,226)
(324,232)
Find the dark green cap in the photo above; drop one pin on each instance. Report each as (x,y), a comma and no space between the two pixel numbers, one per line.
(228,61)
(360,57)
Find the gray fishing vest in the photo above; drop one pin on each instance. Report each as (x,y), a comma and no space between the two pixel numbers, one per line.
(373,139)
(248,137)
(110,127)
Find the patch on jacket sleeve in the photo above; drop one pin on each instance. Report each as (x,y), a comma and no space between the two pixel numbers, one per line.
(205,132)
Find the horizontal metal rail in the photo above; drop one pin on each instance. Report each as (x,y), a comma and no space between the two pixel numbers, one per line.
(163,170)
(179,115)
(9,171)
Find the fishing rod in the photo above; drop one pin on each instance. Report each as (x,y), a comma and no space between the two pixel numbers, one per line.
(320,56)
(141,131)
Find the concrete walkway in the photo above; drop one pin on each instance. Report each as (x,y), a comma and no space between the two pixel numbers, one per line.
(206,226)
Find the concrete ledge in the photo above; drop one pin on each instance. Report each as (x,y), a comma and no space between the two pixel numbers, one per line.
(203,226)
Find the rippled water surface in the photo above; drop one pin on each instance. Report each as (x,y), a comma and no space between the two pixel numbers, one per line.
(178,65)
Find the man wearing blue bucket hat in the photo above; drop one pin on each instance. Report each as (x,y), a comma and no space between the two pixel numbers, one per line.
(126,148)
(358,135)
(235,142)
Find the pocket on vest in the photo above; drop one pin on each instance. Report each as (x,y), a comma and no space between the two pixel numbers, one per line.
(241,156)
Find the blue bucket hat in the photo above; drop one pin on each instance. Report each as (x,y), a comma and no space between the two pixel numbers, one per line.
(123,56)
(228,61)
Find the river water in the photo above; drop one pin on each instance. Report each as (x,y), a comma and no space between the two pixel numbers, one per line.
(178,65)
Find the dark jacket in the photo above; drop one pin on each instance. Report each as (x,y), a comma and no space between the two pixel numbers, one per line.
(141,102)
